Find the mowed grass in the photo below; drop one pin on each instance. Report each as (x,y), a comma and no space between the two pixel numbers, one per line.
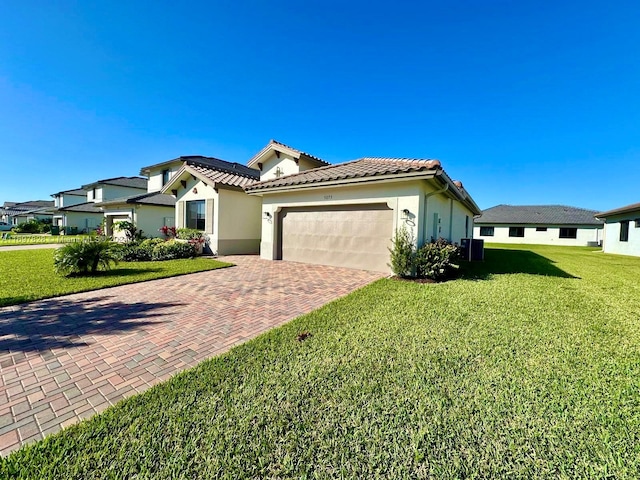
(499,375)
(27,275)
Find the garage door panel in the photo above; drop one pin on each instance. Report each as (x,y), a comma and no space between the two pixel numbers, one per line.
(350,236)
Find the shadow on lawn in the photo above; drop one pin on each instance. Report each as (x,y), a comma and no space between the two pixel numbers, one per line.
(63,323)
(498,261)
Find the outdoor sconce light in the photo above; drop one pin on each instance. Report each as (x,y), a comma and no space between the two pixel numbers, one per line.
(267,215)
(405,213)
(195,190)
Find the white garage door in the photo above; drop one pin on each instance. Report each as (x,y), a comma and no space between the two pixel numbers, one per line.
(353,236)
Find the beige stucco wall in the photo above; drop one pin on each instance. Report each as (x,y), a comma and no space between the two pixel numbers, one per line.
(238,222)
(612,243)
(416,196)
(149,218)
(235,227)
(287,165)
(585,235)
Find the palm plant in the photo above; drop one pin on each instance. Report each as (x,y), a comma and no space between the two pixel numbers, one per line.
(84,258)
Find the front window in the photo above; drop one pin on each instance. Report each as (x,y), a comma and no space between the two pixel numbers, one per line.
(624,231)
(516,231)
(568,233)
(165,176)
(195,215)
(542,229)
(486,231)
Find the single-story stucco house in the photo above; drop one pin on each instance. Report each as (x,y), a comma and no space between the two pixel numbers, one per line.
(209,196)
(622,230)
(347,214)
(539,224)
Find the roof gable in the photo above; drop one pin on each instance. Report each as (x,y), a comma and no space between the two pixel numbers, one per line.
(277,147)
(634,207)
(214,171)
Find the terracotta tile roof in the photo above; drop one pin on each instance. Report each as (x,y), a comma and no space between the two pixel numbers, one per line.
(634,207)
(363,167)
(537,215)
(226,173)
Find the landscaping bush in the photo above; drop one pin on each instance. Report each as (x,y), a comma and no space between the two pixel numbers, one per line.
(129,229)
(403,253)
(437,260)
(30,226)
(172,249)
(83,258)
(137,251)
(189,234)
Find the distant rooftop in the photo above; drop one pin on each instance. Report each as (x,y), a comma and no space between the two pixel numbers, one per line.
(537,215)
(131,182)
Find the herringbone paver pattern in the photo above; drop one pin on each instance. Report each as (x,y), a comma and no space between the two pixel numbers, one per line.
(67,358)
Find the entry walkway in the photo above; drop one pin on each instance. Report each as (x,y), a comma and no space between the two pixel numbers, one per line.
(65,359)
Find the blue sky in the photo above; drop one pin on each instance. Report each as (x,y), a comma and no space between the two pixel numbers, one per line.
(525,102)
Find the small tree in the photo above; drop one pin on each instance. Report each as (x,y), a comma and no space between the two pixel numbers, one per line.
(129,229)
(403,253)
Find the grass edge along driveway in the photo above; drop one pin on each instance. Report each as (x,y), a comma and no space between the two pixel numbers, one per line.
(529,368)
(27,275)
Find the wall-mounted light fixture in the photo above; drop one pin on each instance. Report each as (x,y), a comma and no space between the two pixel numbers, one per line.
(195,190)
(405,213)
(267,215)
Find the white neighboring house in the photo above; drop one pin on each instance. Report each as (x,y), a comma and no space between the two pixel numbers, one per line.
(111,196)
(622,230)
(15,213)
(73,211)
(209,196)
(539,224)
(347,214)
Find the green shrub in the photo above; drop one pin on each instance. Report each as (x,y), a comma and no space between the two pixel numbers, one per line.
(30,226)
(402,253)
(189,234)
(437,260)
(138,251)
(83,258)
(172,249)
(129,229)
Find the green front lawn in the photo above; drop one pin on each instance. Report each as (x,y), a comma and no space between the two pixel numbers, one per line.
(28,275)
(529,368)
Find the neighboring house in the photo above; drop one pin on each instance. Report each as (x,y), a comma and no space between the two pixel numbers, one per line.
(347,214)
(74,211)
(210,197)
(110,196)
(622,230)
(15,213)
(539,224)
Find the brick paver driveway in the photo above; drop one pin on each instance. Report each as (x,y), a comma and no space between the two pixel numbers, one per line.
(66,358)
